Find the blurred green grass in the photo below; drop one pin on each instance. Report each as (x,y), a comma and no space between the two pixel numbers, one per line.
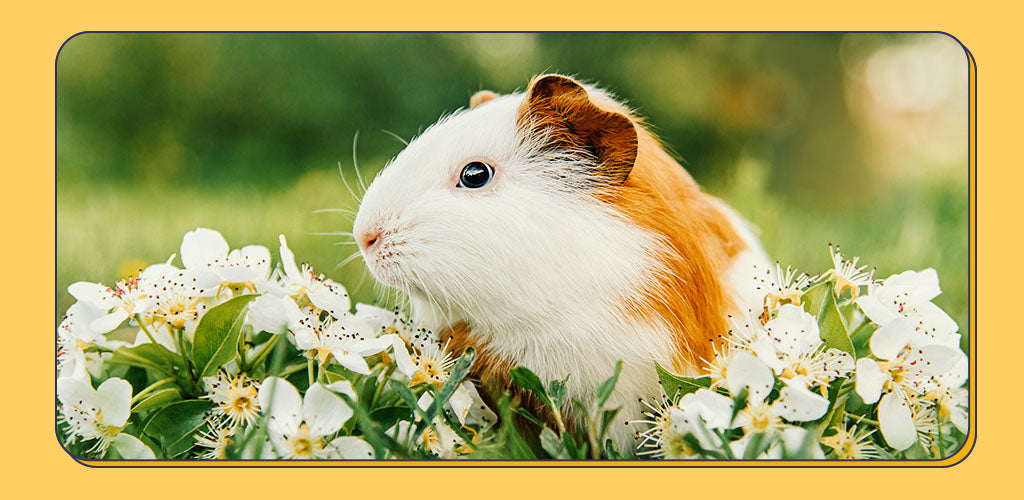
(104,231)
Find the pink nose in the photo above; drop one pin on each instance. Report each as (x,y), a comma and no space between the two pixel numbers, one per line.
(368,238)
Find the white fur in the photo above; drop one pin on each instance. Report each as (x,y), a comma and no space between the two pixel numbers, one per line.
(536,270)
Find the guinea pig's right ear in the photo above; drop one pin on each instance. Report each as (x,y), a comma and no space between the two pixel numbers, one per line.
(481,97)
(559,110)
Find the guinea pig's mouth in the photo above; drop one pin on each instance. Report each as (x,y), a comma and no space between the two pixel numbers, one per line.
(383,259)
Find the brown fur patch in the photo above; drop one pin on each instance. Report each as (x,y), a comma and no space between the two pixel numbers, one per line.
(559,109)
(690,297)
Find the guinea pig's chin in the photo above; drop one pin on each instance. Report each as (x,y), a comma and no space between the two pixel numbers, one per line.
(386,271)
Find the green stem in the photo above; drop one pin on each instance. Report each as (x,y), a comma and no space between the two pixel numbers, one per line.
(309,369)
(291,369)
(152,339)
(321,374)
(595,450)
(382,383)
(264,351)
(861,419)
(153,386)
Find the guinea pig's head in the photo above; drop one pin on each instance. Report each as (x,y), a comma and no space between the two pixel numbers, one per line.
(498,210)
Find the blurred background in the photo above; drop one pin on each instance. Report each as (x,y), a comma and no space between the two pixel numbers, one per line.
(856,139)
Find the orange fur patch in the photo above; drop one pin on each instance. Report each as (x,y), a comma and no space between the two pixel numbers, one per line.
(690,298)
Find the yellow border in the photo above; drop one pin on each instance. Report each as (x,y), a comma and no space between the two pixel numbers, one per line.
(32,465)
(956,458)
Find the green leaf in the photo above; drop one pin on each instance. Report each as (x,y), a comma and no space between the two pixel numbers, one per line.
(678,386)
(522,412)
(516,447)
(455,377)
(551,444)
(216,339)
(607,417)
(605,389)
(756,446)
(557,391)
(523,377)
(157,399)
(814,297)
(154,356)
(390,415)
(175,424)
(833,328)
(612,451)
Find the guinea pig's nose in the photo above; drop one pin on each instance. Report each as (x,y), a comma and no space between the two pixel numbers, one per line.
(368,238)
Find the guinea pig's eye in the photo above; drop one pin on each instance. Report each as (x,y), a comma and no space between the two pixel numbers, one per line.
(475,175)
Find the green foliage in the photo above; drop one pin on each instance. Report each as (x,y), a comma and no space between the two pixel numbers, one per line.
(217,336)
(676,386)
(174,425)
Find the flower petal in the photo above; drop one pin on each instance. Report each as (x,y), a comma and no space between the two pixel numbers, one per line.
(129,447)
(109,322)
(875,310)
(352,448)
(280,399)
(201,247)
(333,299)
(324,411)
(114,396)
(798,404)
(95,294)
(745,370)
(267,313)
(870,380)
(288,260)
(896,421)
(352,361)
(402,357)
(889,340)
(712,407)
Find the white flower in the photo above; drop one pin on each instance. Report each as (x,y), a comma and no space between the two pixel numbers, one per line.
(206,252)
(793,348)
(469,407)
(950,397)
(300,427)
(443,442)
(790,438)
(782,287)
(234,397)
(322,293)
(75,335)
(851,443)
(697,413)
(430,362)
(901,305)
(342,339)
(898,380)
(845,274)
(216,437)
(126,299)
(100,415)
(180,297)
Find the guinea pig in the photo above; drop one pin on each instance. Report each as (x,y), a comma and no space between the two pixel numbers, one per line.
(550,229)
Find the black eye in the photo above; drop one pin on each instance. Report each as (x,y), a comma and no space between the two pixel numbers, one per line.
(475,175)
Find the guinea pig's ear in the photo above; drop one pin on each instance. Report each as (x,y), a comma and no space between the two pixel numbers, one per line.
(481,97)
(559,109)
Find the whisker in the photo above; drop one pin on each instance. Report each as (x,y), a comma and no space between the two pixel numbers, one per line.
(344,181)
(337,233)
(348,259)
(334,210)
(355,162)
(345,243)
(396,136)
